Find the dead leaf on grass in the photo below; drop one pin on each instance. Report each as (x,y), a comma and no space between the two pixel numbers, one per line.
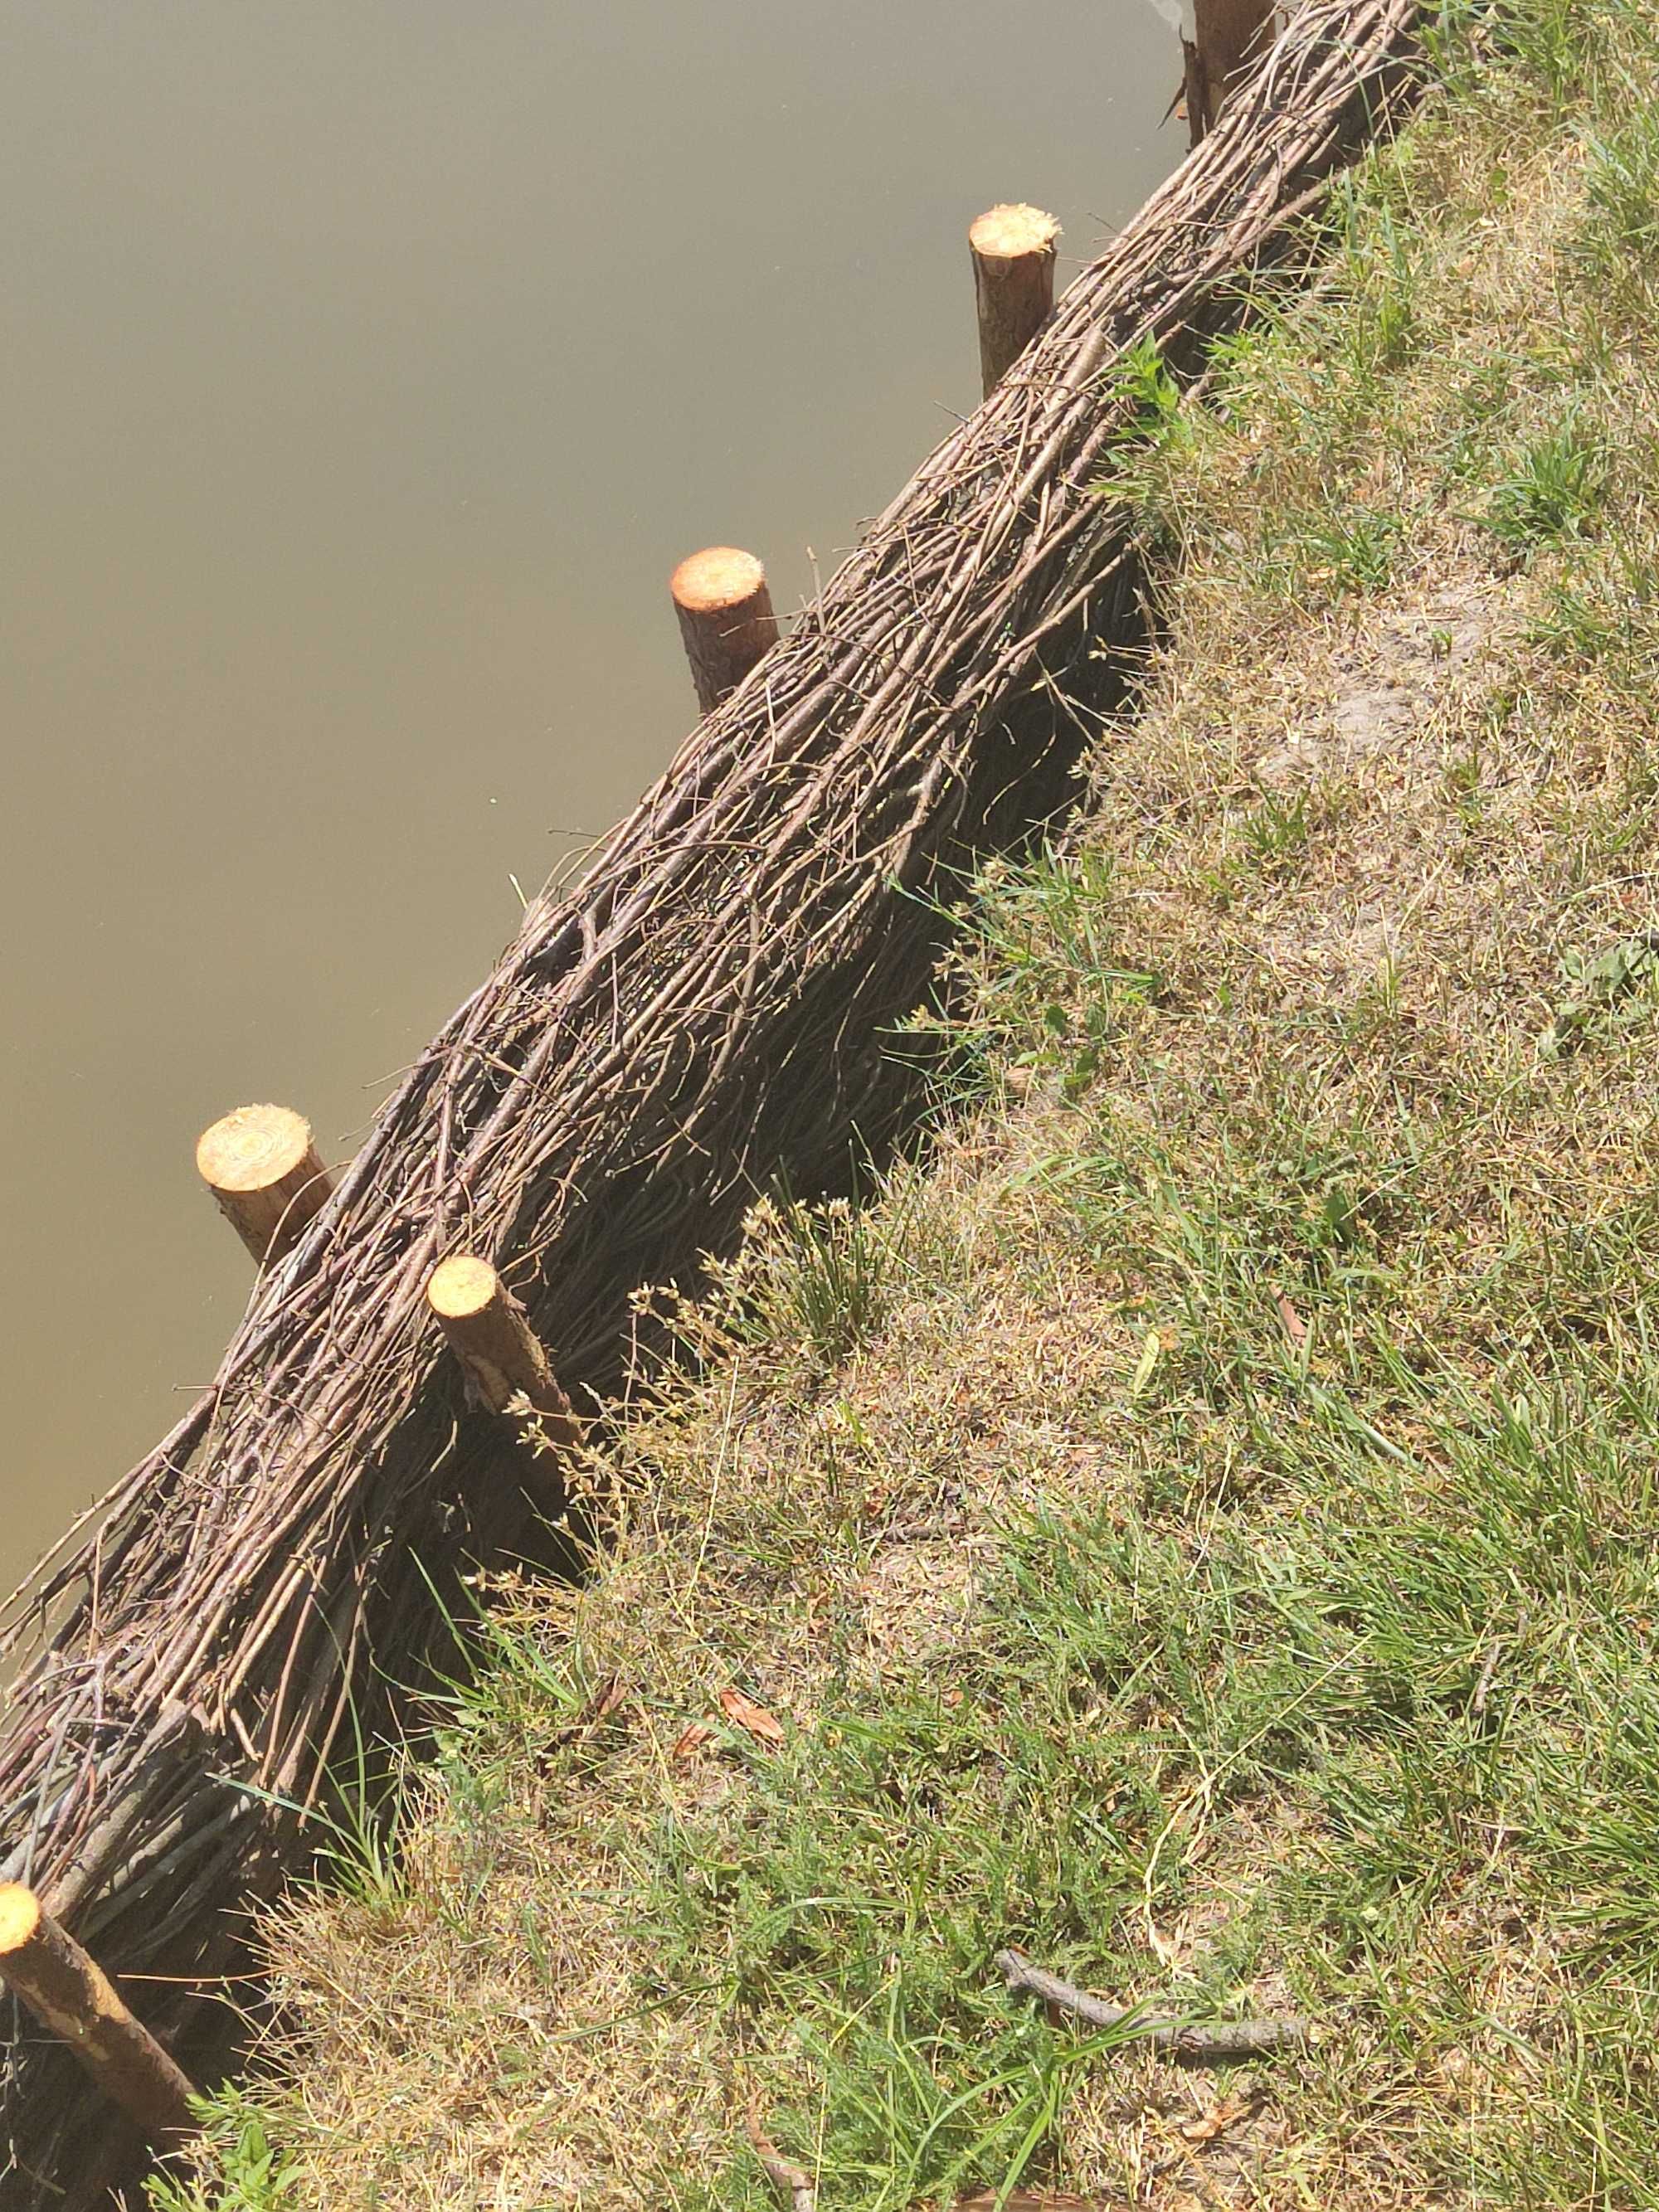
(764,1726)
(1165,1948)
(1295,1327)
(1216,2121)
(689,1742)
(1151,1353)
(610,1694)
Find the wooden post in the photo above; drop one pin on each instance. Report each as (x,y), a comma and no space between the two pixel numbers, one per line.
(1013,256)
(490,1335)
(69,1994)
(1227,36)
(725,619)
(261,1166)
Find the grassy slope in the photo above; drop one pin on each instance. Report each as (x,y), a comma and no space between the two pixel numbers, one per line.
(1202,1530)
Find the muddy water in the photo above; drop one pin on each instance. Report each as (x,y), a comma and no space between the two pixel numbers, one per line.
(367,368)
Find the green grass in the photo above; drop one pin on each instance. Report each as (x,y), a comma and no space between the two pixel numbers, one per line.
(1203,1528)
(1553,487)
(250,2172)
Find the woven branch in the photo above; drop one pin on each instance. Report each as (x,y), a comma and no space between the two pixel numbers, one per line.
(704,1011)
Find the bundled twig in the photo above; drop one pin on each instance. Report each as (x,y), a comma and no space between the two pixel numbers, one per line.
(1175,2035)
(710,1008)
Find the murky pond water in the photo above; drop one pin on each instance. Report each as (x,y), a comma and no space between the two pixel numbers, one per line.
(369,364)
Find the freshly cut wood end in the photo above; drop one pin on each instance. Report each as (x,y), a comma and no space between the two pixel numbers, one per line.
(462,1286)
(20,1917)
(720,576)
(254,1148)
(1009,234)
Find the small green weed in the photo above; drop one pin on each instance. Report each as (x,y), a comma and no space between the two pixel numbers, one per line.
(1619,234)
(1276,832)
(1605,609)
(1349,549)
(1615,992)
(1553,488)
(243,2170)
(819,1276)
(1048,932)
(1156,431)
(1381,277)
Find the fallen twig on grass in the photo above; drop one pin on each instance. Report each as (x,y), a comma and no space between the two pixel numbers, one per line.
(1039,2200)
(1202,2043)
(803,2190)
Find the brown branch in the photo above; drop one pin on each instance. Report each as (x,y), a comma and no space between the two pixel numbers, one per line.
(801,2189)
(1204,2043)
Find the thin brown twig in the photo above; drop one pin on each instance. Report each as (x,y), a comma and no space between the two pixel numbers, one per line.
(1201,2043)
(801,2189)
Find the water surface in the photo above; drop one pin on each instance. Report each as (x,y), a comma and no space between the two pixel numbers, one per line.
(369,364)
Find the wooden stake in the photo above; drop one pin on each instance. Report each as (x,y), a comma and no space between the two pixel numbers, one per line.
(69,1994)
(725,615)
(1227,36)
(261,1166)
(490,1335)
(1013,256)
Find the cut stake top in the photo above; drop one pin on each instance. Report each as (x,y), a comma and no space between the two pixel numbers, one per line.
(1010,232)
(20,1917)
(254,1148)
(718,576)
(462,1286)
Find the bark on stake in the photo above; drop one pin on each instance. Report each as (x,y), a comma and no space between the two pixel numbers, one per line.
(1013,256)
(69,1994)
(488,1334)
(727,621)
(1227,36)
(261,1166)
